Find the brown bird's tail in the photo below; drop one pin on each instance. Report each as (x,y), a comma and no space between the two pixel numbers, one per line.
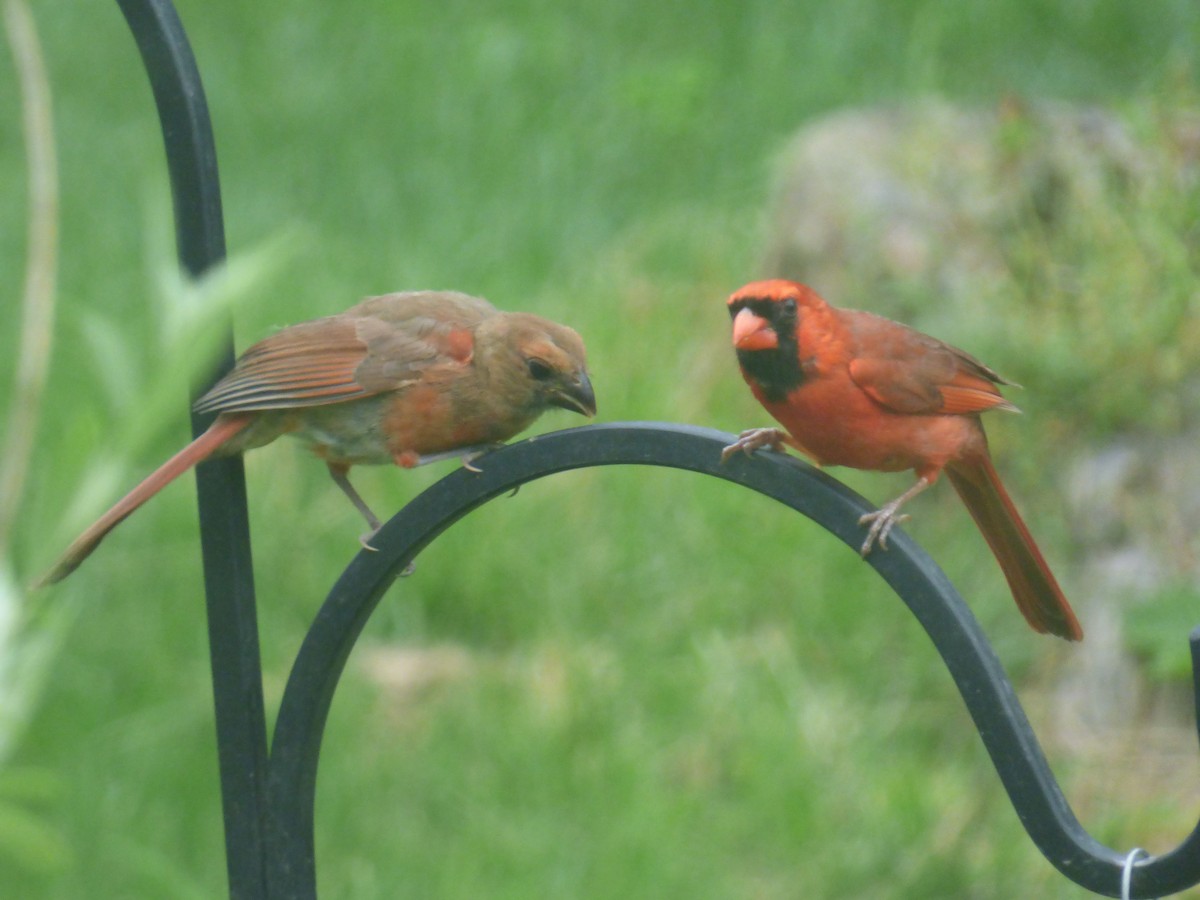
(197,451)
(1033,585)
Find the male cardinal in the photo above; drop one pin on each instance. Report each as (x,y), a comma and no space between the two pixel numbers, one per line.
(404,378)
(855,389)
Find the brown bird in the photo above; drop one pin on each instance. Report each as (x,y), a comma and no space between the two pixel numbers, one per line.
(401,378)
(856,389)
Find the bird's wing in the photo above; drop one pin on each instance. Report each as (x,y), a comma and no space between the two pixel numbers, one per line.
(346,357)
(909,372)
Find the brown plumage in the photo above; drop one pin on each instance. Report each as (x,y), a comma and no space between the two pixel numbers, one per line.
(401,378)
(855,389)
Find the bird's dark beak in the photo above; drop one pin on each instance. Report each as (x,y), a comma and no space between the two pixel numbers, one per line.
(753,332)
(577,396)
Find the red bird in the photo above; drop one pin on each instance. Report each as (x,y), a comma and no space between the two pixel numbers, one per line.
(402,378)
(856,389)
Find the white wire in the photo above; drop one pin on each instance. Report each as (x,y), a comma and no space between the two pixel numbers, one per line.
(1127,875)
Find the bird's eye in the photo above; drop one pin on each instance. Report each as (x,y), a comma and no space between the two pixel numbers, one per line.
(539,370)
(789,306)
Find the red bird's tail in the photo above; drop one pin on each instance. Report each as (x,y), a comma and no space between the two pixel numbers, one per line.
(224,428)
(1033,585)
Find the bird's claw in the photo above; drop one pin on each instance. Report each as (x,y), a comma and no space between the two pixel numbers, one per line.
(882,522)
(468,458)
(365,541)
(754,439)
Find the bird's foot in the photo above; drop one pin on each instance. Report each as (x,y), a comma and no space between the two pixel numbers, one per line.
(755,439)
(365,541)
(882,522)
(409,459)
(887,517)
(474,453)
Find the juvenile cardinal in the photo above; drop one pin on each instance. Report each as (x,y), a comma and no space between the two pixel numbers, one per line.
(401,378)
(855,389)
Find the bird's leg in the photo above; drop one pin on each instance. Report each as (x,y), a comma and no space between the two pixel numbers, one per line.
(473,453)
(469,455)
(341,479)
(887,517)
(410,460)
(755,439)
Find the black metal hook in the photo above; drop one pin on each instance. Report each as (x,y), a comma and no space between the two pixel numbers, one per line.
(909,571)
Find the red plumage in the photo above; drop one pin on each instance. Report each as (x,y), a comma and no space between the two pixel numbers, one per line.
(855,389)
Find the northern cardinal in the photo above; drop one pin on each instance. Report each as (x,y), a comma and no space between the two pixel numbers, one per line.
(401,378)
(856,389)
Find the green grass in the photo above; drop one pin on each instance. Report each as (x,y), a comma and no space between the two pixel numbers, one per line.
(670,688)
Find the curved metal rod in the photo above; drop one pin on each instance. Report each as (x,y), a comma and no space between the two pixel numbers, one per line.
(221,485)
(909,571)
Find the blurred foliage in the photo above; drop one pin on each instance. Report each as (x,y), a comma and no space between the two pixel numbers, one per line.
(672,689)
(1156,627)
(1109,294)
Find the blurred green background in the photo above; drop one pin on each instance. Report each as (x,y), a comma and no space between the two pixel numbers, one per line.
(620,682)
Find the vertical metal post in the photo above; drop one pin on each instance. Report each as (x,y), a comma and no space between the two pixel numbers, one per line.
(224,527)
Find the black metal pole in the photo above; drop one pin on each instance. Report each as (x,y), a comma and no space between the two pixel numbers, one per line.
(224,527)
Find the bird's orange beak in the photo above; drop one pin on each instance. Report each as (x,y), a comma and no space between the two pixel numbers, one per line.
(753,332)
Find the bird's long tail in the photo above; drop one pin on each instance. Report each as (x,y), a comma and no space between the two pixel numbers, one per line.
(1033,585)
(224,428)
